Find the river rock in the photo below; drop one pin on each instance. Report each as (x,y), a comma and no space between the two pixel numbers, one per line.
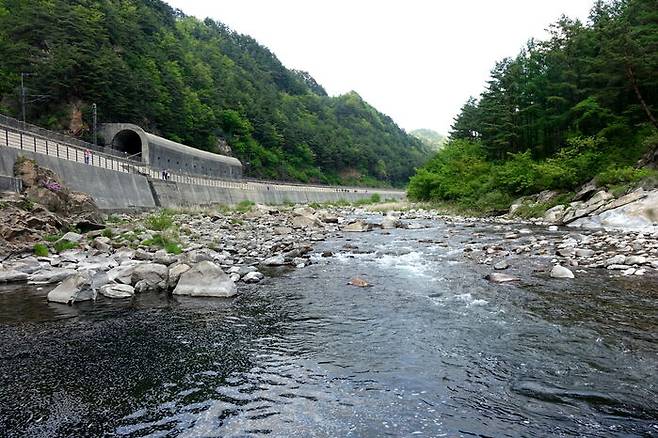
(501,265)
(391,222)
(50,276)
(117,291)
(149,277)
(555,214)
(359,282)
(635,260)
(122,273)
(499,277)
(206,279)
(278,260)
(619,259)
(306,221)
(11,276)
(584,253)
(253,277)
(28,265)
(560,271)
(358,226)
(175,272)
(102,244)
(71,237)
(74,289)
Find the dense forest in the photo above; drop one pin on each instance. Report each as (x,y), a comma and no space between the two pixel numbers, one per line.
(194,82)
(580,105)
(430,137)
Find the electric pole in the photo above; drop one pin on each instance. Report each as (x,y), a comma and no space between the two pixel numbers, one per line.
(94,114)
(23,95)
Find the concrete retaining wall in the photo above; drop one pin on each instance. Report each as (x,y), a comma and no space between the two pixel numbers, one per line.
(110,189)
(172,194)
(120,191)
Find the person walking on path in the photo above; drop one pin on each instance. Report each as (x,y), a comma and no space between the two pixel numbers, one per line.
(87,155)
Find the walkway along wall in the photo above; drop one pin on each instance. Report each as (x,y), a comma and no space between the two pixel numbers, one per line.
(119,185)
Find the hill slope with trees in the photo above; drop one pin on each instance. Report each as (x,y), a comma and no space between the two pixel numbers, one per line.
(578,106)
(195,82)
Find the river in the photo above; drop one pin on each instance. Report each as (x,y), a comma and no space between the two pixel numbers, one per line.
(432,349)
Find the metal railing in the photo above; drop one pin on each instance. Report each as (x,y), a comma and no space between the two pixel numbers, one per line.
(30,138)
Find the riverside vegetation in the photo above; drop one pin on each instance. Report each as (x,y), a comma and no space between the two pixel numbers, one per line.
(577,108)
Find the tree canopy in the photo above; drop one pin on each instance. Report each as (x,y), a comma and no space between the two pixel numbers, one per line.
(581,104)
(194,82)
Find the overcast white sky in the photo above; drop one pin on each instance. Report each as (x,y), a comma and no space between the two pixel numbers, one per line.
(415,60)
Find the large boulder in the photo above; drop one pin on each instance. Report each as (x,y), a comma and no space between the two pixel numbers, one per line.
(206,279)
(12,276)
(554,215)
(559,271)
(74,289)
(150,277)
(358,226)
(117,291)
(50,276)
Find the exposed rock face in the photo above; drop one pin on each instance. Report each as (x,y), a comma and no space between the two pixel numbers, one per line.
(42,186)
(206,279)
(636,210)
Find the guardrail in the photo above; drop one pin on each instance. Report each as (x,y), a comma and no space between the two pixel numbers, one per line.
(16,135)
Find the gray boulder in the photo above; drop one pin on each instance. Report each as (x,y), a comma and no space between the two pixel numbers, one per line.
(278,260)
(51,276)
(498,277)
(150,277)
(74,289)
(206,279)
(11,276)
(358,227)
(559,271)
(253,277)
(175,272)
(117,291)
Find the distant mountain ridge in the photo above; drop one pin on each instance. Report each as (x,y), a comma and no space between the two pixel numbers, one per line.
(430,137)
(195,82)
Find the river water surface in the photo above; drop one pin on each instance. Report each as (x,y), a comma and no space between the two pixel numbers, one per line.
(432,349)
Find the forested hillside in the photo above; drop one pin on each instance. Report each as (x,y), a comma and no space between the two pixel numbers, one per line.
(430,137)
(580,105)
(193,82)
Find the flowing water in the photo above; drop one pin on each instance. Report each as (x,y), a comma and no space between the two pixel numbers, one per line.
(432,349)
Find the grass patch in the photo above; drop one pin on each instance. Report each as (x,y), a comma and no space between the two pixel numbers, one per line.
(160,221)
(107,232)
(244,206)
(40,250)
(64,245)
(168,243)
(53,237)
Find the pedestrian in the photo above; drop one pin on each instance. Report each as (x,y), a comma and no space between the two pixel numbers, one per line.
(86,155)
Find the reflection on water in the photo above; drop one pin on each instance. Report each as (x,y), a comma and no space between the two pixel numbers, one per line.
(431,350)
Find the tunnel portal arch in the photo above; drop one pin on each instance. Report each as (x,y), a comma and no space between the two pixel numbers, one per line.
(129,142)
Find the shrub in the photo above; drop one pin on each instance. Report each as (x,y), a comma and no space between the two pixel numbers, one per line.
(244,206)
(40,250)
(621,175)
(160,221)
(168,243)
(64,245)
(107,232)
(53,237)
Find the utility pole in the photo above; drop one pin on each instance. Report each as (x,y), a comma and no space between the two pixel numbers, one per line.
(23,95)
(94,112)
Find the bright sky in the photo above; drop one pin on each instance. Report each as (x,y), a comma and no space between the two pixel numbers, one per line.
(415,60)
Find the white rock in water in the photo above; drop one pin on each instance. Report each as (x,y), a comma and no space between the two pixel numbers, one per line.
(118,291)
(635,260)
(559,271)
(206,279)
(619,259)
(497,277)
(629,271)
(501,265)
(74,289)
(553,228)
(253,277)
(11,276)
(358,227)
(278,260)
(51,276)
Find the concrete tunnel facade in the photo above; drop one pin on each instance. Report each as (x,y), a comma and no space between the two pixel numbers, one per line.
(161,154)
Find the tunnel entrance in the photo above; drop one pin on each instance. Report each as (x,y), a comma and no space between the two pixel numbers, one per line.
(128,141)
